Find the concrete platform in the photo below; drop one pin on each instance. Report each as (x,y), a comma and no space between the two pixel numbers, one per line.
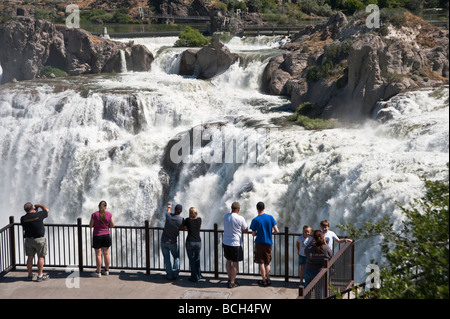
(119,284)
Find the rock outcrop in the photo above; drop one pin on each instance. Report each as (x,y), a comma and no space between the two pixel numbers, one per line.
(344,68)
(207,62)
(28,44)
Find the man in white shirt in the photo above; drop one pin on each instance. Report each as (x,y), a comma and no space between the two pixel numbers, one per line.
(233,227)
(330,236)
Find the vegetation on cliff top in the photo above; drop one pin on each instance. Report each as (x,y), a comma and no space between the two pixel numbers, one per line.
(273,11)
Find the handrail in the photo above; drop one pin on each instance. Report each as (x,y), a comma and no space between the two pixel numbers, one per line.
(138,248)
(358,288)
(321,282)
(7,253)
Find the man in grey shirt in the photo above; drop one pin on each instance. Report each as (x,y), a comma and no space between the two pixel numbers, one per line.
(169,241)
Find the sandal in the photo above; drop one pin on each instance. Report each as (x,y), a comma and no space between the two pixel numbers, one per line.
(262,283)
(268,282)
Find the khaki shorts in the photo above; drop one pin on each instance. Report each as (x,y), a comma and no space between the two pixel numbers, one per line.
(263,253)
(36,246)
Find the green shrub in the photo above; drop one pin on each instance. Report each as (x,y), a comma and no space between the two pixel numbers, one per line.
(312,6)
(120,17)
(353,5)
(47,70)
(331,52)
(396,16)
(191,38)
(316,72)
(220,6)
(43,15)
(315,124)
(300,118)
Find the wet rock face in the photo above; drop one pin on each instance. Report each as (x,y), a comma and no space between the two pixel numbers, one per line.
(28,44)
(25,47)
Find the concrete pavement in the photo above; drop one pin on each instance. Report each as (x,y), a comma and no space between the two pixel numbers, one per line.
(130,284)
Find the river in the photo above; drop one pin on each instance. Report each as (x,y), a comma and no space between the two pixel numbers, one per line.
(70,142)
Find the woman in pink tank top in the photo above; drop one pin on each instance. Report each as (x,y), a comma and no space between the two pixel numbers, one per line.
(101,221)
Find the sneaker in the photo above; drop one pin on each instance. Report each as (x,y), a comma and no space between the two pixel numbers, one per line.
(42,278)
(30,277)
(97,274)
(105,272)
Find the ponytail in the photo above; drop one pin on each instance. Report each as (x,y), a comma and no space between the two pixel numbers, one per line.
(319,239)
(102,211)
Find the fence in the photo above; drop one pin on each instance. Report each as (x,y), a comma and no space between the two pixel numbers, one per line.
(336,276)
(138,248)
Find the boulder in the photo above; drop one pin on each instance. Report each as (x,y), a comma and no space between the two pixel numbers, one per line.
(214,59)
(188,60)
(209,61)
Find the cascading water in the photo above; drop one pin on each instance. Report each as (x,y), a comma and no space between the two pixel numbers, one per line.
(123,62)
(69,143)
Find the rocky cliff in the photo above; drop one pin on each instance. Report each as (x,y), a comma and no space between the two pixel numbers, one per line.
(344,68)
(28,44)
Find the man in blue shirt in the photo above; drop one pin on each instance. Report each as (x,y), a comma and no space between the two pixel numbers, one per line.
(262,227)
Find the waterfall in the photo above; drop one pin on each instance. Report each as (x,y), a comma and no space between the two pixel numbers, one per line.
(123,62)
(70,142)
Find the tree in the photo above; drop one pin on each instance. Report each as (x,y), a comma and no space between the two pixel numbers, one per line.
(191,38)
(417,255)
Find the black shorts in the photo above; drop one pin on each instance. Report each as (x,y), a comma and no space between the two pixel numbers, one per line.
(233,253)
(101,241)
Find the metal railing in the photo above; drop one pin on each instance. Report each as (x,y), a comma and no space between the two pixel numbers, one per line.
(138,248)
(336,276)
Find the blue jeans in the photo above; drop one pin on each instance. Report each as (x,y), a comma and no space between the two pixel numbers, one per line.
(167,249)
(309,275)
(193,251)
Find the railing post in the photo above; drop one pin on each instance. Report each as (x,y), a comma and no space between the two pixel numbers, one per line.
(80,244)
(353,262)
(216,251)
(147,247)
(301,291)
(327,278)
(12,243)
(286,254)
